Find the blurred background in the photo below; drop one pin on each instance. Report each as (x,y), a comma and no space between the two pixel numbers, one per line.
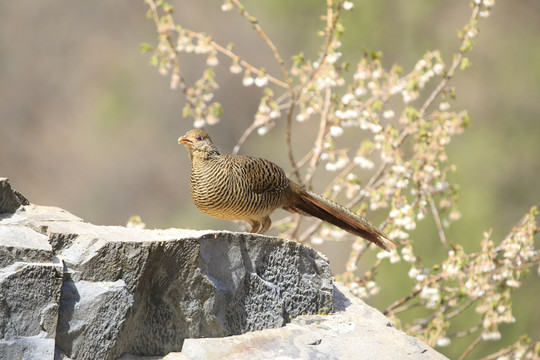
(87,125)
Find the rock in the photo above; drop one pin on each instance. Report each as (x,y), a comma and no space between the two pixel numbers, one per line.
(10,199)
(144,291)
(74,290)
(354,331)
(30,283)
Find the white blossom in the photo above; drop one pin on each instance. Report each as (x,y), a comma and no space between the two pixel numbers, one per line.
(420,64)
(212,60)
(332,58)
(360,75)
(346,99)
(484,13)
(413,273)
(336,131)
(363,162)
(301,117)
(199,123)
(388,114)
(261,81)
(248,81)
(359,91)
(315,240)
(493,335)
(274,114)
(444,341)
(375,128)
(235,68)
(226,6)
(438,68)
(443,106)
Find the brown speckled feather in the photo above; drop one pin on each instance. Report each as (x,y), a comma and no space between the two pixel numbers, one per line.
(235,187)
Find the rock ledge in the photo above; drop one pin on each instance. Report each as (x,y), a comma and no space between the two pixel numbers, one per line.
(73,290)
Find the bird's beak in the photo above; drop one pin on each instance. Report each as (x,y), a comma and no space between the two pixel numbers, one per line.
(184,140)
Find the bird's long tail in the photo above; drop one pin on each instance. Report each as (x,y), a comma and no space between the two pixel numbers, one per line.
(310,203)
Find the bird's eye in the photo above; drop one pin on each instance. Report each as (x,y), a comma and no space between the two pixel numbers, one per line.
(198,137)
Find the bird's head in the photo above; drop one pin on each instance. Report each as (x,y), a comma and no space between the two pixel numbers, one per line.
(198,144)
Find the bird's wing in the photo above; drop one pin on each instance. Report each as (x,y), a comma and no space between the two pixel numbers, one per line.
(264,176)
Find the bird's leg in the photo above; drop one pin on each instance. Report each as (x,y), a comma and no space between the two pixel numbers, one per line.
(266,222)
(254,226)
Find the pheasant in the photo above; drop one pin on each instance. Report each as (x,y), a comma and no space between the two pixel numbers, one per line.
(236,187)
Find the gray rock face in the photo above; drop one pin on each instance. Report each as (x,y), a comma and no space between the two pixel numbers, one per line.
(74,290)
(10,199)
(354,331)
(116,290)
(30,282)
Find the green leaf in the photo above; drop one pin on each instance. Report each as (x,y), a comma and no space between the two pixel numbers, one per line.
(216,109)
(168,8)
(187,111)
(376,55)
(465,63)
(146,48)
(466,120)
(397,69)
(411,113)
(377,105)
(298,57)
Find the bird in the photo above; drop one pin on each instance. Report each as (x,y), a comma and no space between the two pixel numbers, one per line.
(238,187)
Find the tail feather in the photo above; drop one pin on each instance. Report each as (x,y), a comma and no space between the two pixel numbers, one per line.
(315,205)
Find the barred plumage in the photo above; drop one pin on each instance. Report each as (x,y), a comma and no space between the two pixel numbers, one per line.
(235,187)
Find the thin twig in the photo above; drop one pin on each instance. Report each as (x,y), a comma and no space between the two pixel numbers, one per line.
(332,16)
(310,231)
(317,149)
(216,46)
(461,308)
(242,62)
(253,20)
(448,76)
(305,159)
(407,307)
(355,256)
(465,332)
(167,32)
(471,347)
(508,350)
(391,309)
(438,223)
(244,137)
(451,71)
(288,140)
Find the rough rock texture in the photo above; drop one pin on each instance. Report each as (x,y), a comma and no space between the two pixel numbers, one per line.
(354,331)
(30,282)
(10,199)
(116,290)
(73,290)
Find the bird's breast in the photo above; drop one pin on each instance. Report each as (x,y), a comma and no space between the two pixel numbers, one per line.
(224,190)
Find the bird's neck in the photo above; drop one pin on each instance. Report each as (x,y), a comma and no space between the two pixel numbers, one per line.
(197,156)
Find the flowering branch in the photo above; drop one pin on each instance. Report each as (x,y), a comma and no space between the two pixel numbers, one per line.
(397,165)
(265,37)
